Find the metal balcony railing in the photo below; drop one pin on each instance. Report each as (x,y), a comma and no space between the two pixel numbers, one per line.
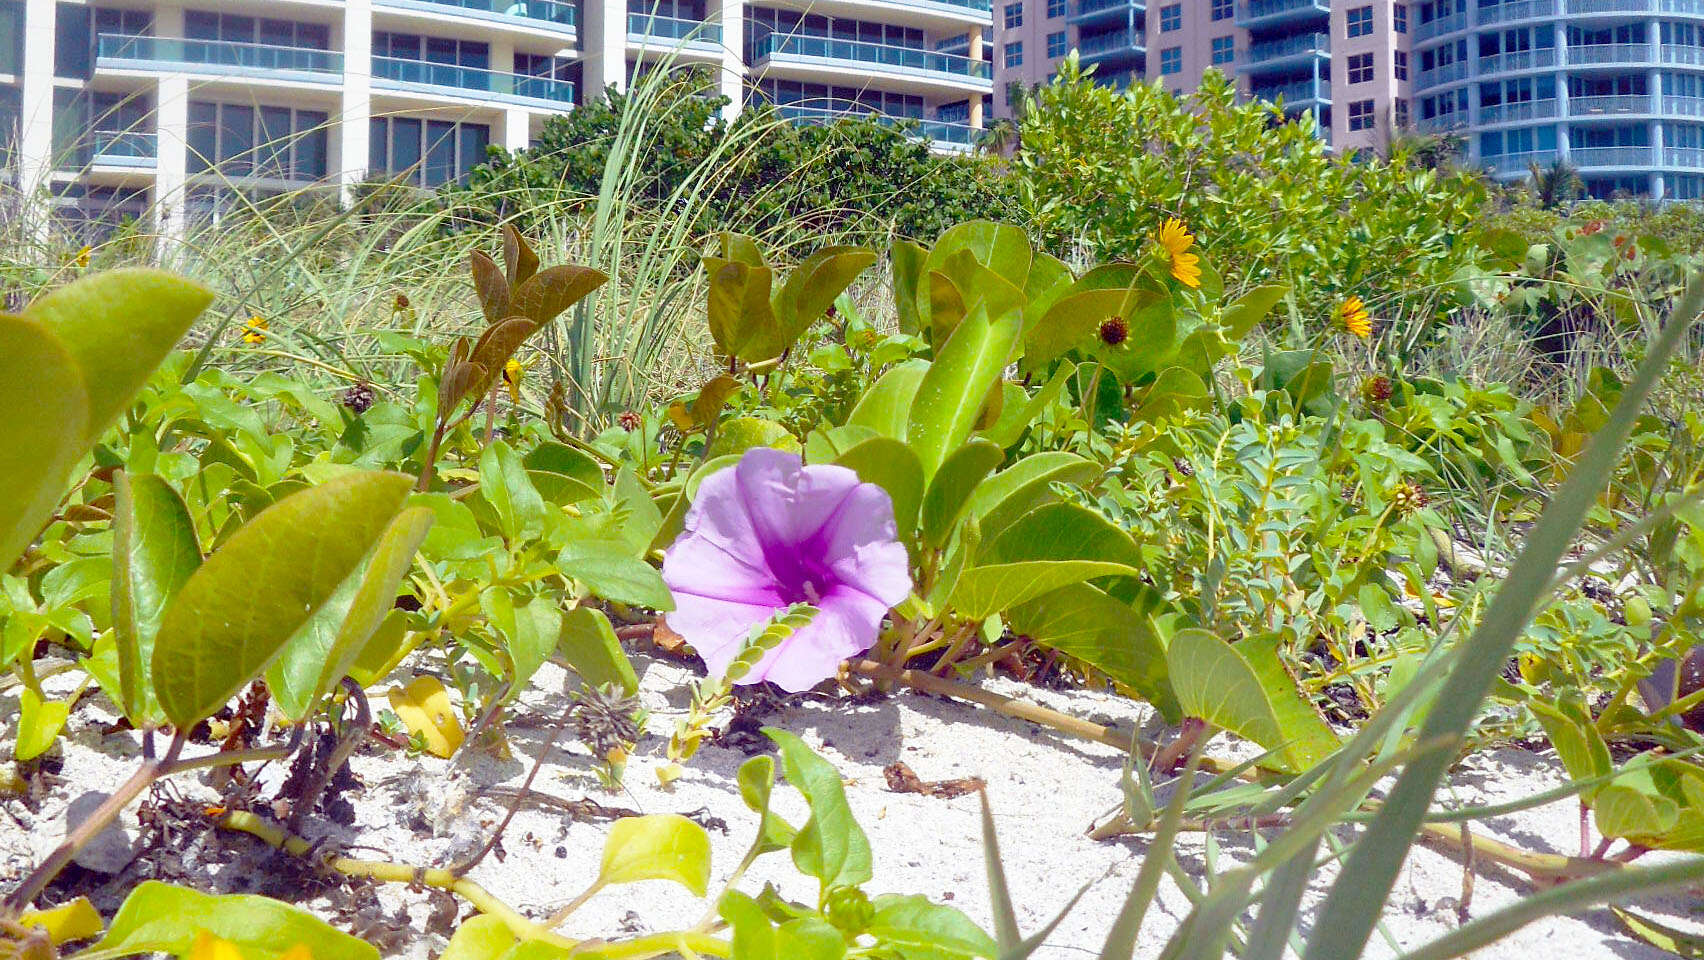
(1610,156)
(1293,93)
(1262,9)
(673,28)
(125,147)
(217,53)
(553,12)
(881,54)
(1515,112)
(1590,53)
(1608,105)
(499,86)
(938,131)
(1443,123)
(1509,12)
(1289,47)
(1440,26)
(1518,60)
(1097,44)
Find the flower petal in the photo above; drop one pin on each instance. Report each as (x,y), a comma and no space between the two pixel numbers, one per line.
(846,623)
(858,546)
(788,502)
(717,629)
(718,553)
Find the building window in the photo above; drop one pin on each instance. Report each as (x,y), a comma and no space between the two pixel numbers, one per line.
(242,140)
(1171,17)
(1055,9)
(1361,22)
(1400,109)
(1399,18)
(1171,61)
(1361,115)
(1014,16)
(429,152)
(1056,46)
(1224,50)
(1399,65)
(1224,9)
(1360,68)
(1013,54)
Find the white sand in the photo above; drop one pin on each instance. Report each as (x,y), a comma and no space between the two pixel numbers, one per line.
(1046,790)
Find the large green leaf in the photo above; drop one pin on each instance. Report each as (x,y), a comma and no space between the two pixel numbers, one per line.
(830,846)
(154,552)
(891,465)
(1660,806)
(812,286)
(503,483)
(118,326)
(1251,308)
(948,400)
(753,935)
(42,434)
(960,474)
(590,646)
(1083,622)
(552,290)
(886,406)
(972,284)
(161,918)
(1063,531)
(237,610)
(1010,428)
(1001,247)
(661,846)
(982,592)
(937,931)
(757,781)
(907,260)
(1243,688)
(608,569)
(742,322)
(1020,488)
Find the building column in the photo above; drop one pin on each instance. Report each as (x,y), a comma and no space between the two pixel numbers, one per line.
(974,51)
(731,19)
(517,129)
(1561,34)
(171,158)
(604,60)
(354,127)
(35,118)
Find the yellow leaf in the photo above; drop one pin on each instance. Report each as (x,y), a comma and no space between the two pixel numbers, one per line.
(77,920)
(424,708)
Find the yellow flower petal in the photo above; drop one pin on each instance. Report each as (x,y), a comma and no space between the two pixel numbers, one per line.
(76,920)
(424,708)
(209,947)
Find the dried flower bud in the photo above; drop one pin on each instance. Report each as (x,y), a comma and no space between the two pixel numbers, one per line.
(1182,467)
(359,398)
(1376,389)
(849,909)
(629,420)
(604,720)
(402,302)
(1408,497)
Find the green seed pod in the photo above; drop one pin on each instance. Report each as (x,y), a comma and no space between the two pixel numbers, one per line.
(1636,611)
(849,909)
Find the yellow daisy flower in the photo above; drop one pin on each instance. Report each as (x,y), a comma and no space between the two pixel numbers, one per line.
(83,257)
(513,372)
(254,329)
(1352,316)
(1176,240)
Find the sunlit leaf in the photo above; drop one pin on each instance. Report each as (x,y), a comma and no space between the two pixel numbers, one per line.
(661,846)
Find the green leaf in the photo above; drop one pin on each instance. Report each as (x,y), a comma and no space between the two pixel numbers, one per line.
(235,613)
(39,723)
(886,406)
(1063,531)
(589,644)
(1083,622)
(1018,489)
(973,285)
(949,493)
(985,591)
(753,935)
(660,846)
(1377,608)
(503,483)
(530,631)
(831,846)
(161,918)
(736,435)
(154,552)
(809,938)
(742,321)
(1072,323)
(42,434)
(913,923)
(1243,688)
(1001,247)
(1575,736)
(1251,308)
(545,294)
(559,458)
(1011,428)
(951,394)
(608,569)
(907,261)
(812,286)
(757,781)
(118,326)
(1679,942)
(890,464)
(482,936)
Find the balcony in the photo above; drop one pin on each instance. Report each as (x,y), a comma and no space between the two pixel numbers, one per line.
(942,134)
(1112,49)
(1518,10)
(1585,108)
(1688,7)
(556,16)
(1296,51)
(249,60)
(1517,112)
(1685,158)
(1517,60)
(1103,11)
(1442,123)
(393,73)
(124,148)
(1260,14)
(1515,165)
(1683,106)
(879,57)
(643,28)
(1301,95)
(1582,7)
(1588,54)
(1610,156)
(1675,53)
(1440,26)
(1448,73)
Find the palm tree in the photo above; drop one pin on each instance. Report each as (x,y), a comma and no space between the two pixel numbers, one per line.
(999,138)
(1556,184)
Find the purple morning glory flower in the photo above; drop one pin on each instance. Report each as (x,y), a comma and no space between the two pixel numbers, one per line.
(771,532)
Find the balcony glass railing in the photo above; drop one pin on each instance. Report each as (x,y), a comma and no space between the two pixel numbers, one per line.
(1689,158)
(1519,161)
(1610,156)
(673,28)
(1084,8)
(124,147)
(1301,91)
(1675,53)
(1588,53)
(217,53)
(1517,60)
(1516,10)
(501,86)
(1289,47)
(1440,26)
(1518,111)
(939,131)
(1445,74)
(778,44)
(548,11)
(1261,9)
(1608,105)
(1096,44)
(1443,123)
(1684,106)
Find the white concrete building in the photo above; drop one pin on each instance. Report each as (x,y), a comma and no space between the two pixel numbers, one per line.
(118,105)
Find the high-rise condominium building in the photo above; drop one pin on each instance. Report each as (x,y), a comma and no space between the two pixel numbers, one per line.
(1613,87)
(125,106)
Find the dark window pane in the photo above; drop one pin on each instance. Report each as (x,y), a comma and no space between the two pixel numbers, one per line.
(12,36)
(235,28)
(440,152)
(203,137)
(72,42)
(198,25)
(312,145)
(273,151)
(475,54)
(378,146)
(236,139)
(440,50)
(315,35)
(281,33)
(405,146)
(474,139)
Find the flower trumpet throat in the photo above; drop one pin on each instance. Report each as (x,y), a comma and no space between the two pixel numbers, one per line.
(1352,316)
(1175,242)
(770,532)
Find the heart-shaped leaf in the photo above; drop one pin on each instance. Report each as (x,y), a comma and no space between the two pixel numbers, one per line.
(661,846)
(154,552)
(161,918)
